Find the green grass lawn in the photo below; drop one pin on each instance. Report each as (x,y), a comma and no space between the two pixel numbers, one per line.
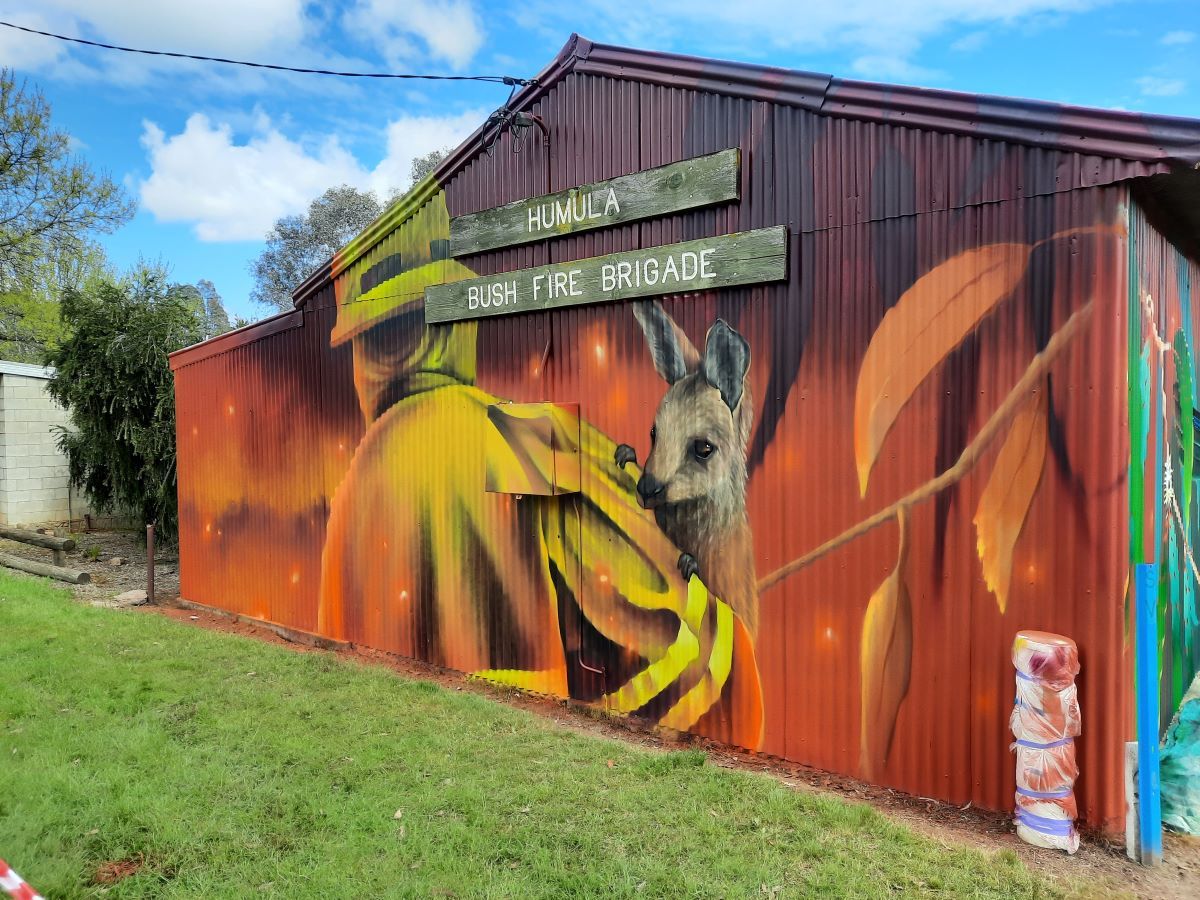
(236,768)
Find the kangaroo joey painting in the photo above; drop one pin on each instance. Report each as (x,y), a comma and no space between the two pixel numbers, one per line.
(694,478)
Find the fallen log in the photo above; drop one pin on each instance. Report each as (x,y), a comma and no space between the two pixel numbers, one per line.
(72,576)
(46,541)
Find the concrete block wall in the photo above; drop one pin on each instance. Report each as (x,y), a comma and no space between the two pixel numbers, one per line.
(34,485)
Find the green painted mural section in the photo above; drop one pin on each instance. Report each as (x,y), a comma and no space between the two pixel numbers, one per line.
(1139,410)
(1163,449)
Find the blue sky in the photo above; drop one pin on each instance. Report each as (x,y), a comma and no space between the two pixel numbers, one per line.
(215,154)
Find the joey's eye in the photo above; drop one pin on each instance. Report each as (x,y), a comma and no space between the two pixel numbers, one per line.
(653,433)
(703,449)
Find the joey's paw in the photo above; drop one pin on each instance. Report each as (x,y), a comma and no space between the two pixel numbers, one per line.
(688,566)
(625,454)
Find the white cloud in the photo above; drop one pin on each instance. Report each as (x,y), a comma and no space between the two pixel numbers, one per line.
(23,51)
(971,42)
(230,190)
(221,27)
(1154,86)
(412,136)
(286,32)
(1172,38)
(450,30)
(893,68)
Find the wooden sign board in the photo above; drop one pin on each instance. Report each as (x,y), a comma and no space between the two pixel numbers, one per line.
(691,183)
(747,257)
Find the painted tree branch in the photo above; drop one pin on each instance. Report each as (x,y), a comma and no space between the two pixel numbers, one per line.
(966,461)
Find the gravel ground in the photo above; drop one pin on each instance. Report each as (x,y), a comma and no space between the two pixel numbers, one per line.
(93,554)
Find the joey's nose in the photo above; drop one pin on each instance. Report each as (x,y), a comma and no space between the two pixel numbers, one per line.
(650,489)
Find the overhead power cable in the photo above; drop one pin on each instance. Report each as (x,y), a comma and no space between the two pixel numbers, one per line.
(494,79)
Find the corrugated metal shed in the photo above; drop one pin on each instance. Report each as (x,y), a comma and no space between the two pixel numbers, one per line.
(331,459)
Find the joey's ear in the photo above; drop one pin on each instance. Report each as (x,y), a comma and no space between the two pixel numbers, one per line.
(726,362)
(673,354)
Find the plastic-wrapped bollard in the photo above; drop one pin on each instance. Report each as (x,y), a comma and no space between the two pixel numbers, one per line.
(1045,722)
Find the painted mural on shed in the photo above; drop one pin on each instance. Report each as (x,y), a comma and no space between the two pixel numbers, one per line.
(1163,407)
(804,515)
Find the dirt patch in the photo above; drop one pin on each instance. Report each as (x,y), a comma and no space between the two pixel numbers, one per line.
(1100,860)
(117,870)
(94,553)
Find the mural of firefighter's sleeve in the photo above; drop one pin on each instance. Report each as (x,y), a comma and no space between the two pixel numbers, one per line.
(695,667)
(421,561)
(717,690)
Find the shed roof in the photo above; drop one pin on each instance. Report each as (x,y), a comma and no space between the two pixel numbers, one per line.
(1172,198)
(25,370)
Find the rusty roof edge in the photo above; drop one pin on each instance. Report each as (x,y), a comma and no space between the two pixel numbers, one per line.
(1137,137)
(792,86)
(1101,132)
(247,334)
(313,283)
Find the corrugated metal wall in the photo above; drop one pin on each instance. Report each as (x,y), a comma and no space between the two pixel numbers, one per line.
(265,432)
(417,561)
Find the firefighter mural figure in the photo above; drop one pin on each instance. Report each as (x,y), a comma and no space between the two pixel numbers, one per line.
(575,595)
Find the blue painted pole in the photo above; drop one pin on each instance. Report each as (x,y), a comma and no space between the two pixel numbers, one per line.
(1146,646)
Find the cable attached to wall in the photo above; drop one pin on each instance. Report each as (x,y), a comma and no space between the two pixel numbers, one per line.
(516,123)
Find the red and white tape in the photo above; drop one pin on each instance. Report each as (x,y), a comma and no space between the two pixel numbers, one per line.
(15,884)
